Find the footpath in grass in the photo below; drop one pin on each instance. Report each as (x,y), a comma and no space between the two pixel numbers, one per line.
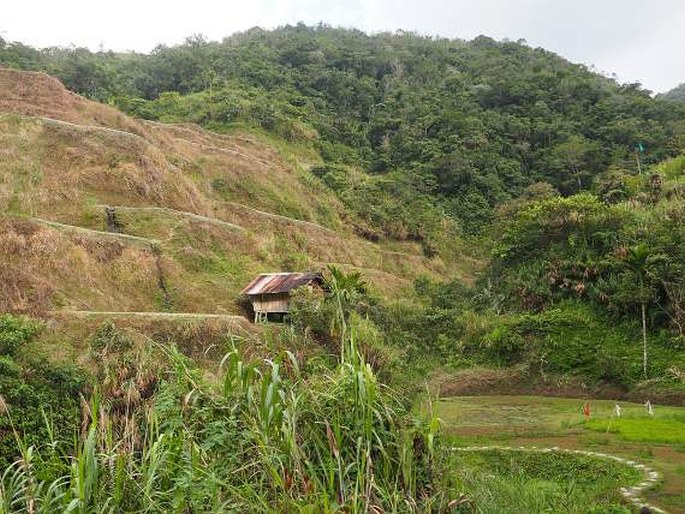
(657,441)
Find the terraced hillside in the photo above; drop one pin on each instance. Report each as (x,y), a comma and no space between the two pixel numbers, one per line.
(102,213)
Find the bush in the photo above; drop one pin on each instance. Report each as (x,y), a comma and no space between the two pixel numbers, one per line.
(310,313)
(31,391)
(32,386)
(9,368)
(504,345)
(108,340)
(16,331)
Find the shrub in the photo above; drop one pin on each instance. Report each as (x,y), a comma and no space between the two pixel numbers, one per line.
(108,339)
(16,331)
(8,368)
(309,311)
(33,392)
(505,345)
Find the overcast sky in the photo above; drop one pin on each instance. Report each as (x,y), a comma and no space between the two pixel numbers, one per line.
(638,40)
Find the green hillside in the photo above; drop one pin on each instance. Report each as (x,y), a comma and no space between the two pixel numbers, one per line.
(489,217)
(205,212)
(407,158)
(470,123)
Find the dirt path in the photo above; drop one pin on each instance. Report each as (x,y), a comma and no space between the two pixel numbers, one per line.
(98,233)
(77,126)
(199,131)
(184,214)
(280,217)
(379,271)
(160,315)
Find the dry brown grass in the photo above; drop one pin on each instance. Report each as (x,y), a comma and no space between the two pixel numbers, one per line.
(44,268)
(204,340)
(54,168)
(238,169)
(21,290)
(38,94)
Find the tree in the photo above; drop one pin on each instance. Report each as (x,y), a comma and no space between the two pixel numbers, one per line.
(571,156)
(642,267)
(677,94)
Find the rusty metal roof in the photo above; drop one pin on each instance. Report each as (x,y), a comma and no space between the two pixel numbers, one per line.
(273,283)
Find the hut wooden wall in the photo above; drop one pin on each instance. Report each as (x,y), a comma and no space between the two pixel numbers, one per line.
(279,302)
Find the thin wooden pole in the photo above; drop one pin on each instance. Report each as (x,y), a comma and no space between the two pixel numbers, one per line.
(644,339)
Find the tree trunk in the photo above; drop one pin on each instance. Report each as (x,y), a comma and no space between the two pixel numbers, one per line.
(644,339)
(576,173)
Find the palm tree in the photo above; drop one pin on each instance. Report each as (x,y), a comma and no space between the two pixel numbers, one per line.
(344,289)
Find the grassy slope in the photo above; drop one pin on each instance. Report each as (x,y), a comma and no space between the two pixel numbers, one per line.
(208,211)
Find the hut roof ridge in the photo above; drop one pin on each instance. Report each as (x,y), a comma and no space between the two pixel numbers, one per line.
(282,282)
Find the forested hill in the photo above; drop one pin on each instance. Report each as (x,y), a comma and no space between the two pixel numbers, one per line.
(472,124)
(676,94)
(489,217)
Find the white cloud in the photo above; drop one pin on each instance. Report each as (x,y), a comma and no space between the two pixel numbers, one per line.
(639,40)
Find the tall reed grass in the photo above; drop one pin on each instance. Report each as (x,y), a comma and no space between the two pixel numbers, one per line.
(267,438)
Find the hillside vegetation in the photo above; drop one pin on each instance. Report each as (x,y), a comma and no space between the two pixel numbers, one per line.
(467,124)
(489,217)
(193,215)
(403,157)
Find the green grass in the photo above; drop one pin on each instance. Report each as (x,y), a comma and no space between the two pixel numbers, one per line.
(547,422)
(512,414)
(515,481)
(671,168)
(643,429)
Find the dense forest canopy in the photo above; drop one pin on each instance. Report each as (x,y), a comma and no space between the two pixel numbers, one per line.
(464,125)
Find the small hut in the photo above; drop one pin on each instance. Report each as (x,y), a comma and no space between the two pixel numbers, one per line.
(269,293)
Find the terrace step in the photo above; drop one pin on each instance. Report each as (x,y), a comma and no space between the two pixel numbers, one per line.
(186,214)
(92,232)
